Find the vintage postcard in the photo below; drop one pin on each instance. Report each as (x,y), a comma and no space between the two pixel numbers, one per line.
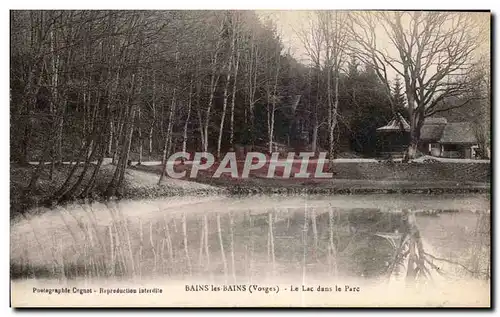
(237,158)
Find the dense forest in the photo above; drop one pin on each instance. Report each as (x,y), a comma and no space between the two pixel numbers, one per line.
(141,85)
(100,99)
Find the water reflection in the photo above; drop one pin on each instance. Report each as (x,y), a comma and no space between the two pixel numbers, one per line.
(242,245)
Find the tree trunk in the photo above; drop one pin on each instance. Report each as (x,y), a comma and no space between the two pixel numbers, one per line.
(213,86)
(233,99)
(270,127)
(161,117)
(153,121)
(59,157)
(95,144)
(314,143)
(139,130)
(200,122)
(252,88)
(110,140)
(416,123)
(70,193)
(112,126)
(126,152)
(186,123)
(119,134)
(83,149)
(93,178)
(214,80)
(126,140)
(331,126)
(274,99)
(226,91)
(168,137)
(332,116)
(150,141)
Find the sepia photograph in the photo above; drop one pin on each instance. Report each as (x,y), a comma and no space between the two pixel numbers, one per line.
(250,158)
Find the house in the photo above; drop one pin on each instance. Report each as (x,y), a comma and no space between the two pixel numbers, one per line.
(448,139)
(394,137)
(430,135)
(458,140)
(438,137)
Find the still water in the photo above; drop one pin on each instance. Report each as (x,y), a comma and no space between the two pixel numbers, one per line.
(240,240)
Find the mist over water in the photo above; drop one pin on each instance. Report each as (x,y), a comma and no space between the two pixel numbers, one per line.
(314,241)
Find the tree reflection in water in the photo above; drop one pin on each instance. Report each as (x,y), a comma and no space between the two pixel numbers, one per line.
(242,246)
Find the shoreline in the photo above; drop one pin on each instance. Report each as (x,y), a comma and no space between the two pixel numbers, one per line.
(142,183)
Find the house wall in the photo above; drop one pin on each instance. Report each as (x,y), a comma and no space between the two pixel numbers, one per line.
(396,144)
(392,142)
(468,152)
(436,149)
(452,154)
(429,148)
(457,151)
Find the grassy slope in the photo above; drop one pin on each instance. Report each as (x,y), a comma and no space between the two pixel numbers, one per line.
(357,178)
(350,177)
(137,184)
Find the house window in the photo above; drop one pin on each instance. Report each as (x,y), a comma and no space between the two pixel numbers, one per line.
(452,147)
(474,149)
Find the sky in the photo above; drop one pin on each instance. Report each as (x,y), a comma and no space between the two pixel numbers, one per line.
(288,22)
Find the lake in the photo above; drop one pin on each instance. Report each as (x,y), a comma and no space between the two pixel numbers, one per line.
(321,243)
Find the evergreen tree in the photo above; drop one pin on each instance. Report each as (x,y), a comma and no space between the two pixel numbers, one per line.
(399,97)
(352,67)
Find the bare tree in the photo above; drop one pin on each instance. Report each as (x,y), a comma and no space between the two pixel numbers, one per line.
(214,80)
(272,83)
(188,116)
(312,39)
(335,38)
(235,82)
(252,72)
(431,51)
(231,21)
(324,39)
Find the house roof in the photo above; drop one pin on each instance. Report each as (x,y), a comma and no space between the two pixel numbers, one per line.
(435,120)
(436,130)
(432,129)
(395,124)
(458,133)
(442,131)
(431,132)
